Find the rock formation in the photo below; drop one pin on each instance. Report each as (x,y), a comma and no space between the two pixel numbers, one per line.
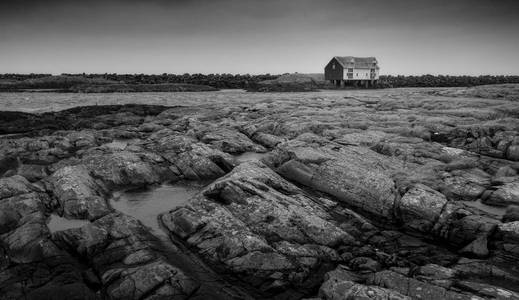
(387,194)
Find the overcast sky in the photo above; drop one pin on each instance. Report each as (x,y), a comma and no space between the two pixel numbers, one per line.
(257,36)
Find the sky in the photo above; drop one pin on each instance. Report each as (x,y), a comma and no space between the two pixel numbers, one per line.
(409,37)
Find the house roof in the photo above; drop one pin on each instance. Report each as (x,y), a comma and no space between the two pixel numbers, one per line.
(357,62)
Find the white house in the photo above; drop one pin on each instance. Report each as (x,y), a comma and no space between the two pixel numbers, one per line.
(349,69)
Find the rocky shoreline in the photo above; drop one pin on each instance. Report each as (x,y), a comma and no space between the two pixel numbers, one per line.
(402,195)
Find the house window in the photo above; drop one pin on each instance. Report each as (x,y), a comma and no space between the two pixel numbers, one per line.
(333,66)
(350,70)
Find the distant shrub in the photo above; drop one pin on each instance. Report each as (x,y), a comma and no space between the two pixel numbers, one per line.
(387,81)
(219,81)
(15,82)
(19,77)
(132,88)
(296,82)
(62,82)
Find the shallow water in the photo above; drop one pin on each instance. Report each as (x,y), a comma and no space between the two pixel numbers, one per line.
(119,144)
(116,145)
(38,102)
(57,223)
(249,156)
(494,210)
(146,205)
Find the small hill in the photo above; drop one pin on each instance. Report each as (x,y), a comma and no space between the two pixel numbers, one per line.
(294,82)
(294,78)
(318,77)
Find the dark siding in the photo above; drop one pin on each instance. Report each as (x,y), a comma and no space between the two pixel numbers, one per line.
(331,74)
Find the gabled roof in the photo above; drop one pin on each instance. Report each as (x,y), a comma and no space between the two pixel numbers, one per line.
(357,62)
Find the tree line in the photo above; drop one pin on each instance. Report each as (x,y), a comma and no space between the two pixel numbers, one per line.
(220,81)
(443,80)
(244,81)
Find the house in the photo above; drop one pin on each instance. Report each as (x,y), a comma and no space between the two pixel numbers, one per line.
(342,70)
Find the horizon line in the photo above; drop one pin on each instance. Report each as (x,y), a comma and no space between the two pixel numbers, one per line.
(251,74)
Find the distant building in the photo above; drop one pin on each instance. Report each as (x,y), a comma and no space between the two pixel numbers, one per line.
(342,70)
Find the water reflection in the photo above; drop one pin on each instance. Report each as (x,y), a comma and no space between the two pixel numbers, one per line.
(493,210)
(249,156)
(57,223)
(146,204)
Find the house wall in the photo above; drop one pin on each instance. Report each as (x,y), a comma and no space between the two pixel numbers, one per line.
(360,74)
(331,73)
(376,74)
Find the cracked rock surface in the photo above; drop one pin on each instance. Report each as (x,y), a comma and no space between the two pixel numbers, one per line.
(369,194)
